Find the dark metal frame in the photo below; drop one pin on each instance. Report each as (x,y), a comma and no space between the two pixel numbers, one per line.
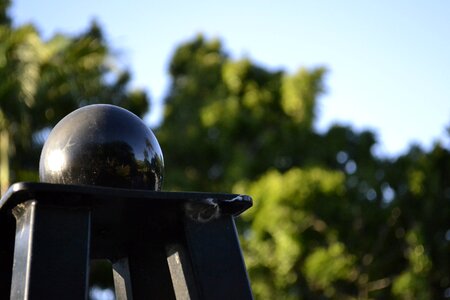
(162,245)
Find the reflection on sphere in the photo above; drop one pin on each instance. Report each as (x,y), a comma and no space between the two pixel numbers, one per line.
(102,145)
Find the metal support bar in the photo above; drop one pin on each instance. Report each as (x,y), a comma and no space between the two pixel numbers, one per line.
(181,272)
(144,274)
(217,262)
(51,254)
(7,233)
(122,279)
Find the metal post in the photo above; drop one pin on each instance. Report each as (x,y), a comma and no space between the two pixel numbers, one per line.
(7,233)
(162,245)
(144,274)
(51,254)
(217,262)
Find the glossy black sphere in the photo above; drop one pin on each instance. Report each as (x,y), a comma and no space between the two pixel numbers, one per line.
(102,145)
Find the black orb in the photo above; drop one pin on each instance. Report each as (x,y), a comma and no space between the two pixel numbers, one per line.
(102,145)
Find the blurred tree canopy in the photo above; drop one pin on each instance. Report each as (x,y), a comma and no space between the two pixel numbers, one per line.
(44,80)
(330,219)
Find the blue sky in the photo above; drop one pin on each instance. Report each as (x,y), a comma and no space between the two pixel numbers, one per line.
(388,61)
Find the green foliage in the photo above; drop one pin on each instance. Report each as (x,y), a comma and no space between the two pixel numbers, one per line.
(412,283)
(299,94)
(284,234)
(4,17)
(229,116)
(42,81)
(330,220)
(326,266)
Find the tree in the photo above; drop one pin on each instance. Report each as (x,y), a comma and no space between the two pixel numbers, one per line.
(4,17)
(231,116)
(330,220)
(42,81)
